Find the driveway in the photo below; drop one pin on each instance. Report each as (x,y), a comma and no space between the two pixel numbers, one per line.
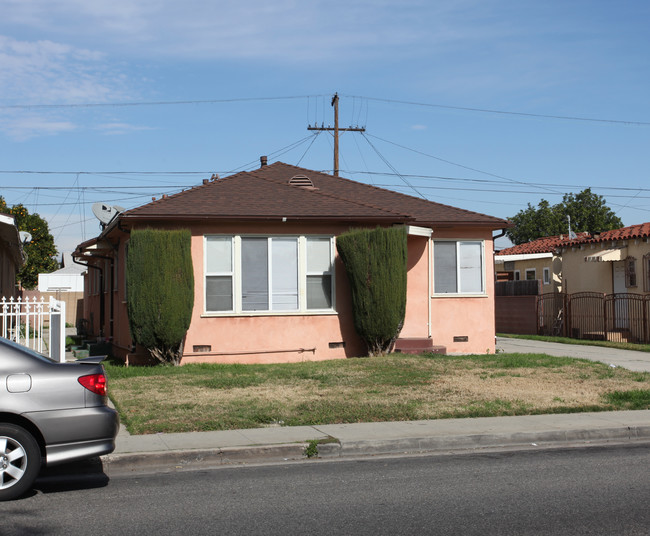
(629,359)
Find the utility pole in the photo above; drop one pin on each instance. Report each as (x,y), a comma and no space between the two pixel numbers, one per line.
(336,130)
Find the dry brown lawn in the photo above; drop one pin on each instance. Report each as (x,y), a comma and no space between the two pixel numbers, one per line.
(357,390)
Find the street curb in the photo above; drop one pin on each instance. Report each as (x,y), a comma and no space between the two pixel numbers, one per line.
(479,441)
(173,460)
(178,460)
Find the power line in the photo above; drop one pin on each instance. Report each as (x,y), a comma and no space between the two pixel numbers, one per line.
(459,165)
(488,181)
(391,167)
(149,103)
(505,112)
(297,97)
(492,190)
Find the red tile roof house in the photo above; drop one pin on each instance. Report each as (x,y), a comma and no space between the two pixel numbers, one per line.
(610,262)
(539,259)
(277,226)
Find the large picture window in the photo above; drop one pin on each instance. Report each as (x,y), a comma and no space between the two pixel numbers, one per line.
(248,274)
(458,267)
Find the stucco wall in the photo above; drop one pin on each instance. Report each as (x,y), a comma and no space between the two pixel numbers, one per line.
(454,318)
(293,337)
(582,276)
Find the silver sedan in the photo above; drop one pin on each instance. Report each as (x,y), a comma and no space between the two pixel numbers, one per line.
(50,413)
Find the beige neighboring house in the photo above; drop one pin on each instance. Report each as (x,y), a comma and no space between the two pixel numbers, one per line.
(11,256)
(601,284)
(539,259)
(612,262)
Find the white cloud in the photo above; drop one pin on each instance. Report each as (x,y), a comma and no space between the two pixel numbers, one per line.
(45,72)
(418,127)
(116,128)
(283,30)
(26,126)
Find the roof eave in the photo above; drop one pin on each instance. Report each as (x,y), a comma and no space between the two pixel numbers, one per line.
(237,218)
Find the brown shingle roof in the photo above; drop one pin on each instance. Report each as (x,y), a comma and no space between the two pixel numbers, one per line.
(266,193)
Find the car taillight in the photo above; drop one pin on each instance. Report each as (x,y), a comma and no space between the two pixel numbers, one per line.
(95,383)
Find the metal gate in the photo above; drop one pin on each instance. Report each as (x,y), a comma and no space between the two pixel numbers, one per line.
(621,317)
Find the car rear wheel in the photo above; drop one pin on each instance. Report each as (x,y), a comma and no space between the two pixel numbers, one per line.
(20,461)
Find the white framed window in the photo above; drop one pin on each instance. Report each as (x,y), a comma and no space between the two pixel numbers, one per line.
(218,272)
(268,274)
(319,272)
(546,274)
(531,274)
(458,267)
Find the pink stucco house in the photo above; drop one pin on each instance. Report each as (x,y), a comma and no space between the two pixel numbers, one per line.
(269,286)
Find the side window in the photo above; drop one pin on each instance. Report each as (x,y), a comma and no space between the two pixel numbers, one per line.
(630,272)
(531,274)
(319,273)
(218,273)
(547,276)
(458,267)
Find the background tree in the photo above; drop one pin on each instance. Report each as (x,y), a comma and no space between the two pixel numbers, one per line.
(587,210)
(375,262)
(40,251)
(160,291)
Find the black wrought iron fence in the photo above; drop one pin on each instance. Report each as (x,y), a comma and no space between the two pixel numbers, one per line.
(592,315)
(550,314)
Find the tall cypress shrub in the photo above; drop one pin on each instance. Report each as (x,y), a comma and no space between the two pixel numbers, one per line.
(375,262)
(160,291)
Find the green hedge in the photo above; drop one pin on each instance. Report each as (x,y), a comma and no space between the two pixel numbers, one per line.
(375,261)
(160,290)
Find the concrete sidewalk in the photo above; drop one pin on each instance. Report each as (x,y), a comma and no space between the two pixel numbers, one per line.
(170,452)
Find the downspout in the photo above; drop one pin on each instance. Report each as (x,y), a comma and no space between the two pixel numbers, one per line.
(502,233)
(429,289)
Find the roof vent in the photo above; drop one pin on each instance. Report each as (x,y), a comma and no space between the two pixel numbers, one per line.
(301,181)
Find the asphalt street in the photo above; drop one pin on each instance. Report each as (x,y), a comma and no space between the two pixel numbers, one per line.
(596,491)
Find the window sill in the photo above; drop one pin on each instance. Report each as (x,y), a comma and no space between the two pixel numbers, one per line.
(268,313)
(450,295)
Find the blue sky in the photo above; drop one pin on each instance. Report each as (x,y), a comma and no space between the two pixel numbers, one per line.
(485,105)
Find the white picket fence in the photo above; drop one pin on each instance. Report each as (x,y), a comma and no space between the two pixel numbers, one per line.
(36,324)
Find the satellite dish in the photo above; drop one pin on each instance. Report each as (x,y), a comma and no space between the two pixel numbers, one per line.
(25,237)
(105,213)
